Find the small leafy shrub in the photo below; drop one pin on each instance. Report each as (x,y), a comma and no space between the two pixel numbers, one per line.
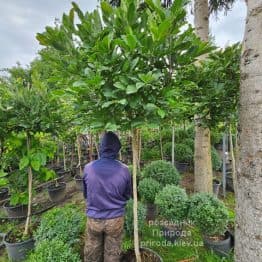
(172,203)
(129,217)
(184,153)
(162,171)
(208,213)
(53,251)
(216,159)
(148,188)
(150,154)
(65,223)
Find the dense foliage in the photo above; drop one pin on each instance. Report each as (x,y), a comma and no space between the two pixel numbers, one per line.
(162,171)
(65,224)
(147,189)
(172,202)
(129,219)
(53,250)
(208,213)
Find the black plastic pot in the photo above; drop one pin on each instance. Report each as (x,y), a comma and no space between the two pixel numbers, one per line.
(57,191)
(18,251)
(229,182)
(171,234)
(129,255)
(216,186)
(79,182)
(182,167)
(18,211)
(222,247)
(151,211)
(4,193)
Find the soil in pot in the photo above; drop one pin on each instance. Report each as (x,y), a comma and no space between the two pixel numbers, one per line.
(147,255)
(3,193)
(17,211)
(79,183)
(57,191)
(17,245)
(221,245)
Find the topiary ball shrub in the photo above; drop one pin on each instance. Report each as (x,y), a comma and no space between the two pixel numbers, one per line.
(53,251)
(209,214)
(64,223)
(129,217)
(148,188)
(172,203)
(184,153)
(162,171)
(216,159)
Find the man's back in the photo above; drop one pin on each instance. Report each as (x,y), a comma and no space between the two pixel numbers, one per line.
(108,187)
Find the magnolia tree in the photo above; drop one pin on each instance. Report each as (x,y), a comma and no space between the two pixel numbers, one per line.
(125,81)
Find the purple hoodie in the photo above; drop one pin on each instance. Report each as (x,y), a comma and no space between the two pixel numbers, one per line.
(107,182)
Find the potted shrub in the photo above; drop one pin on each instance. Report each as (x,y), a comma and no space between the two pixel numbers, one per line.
(172,203)
(183,156)
(211,216)
(16,205)
(147,189)
(162,171)
(56,191)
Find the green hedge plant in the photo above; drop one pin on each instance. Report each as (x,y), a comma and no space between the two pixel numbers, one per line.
(65,224)
(129,220)
(162,171)
(148,188)
(53,250)
(172,203)
(209,214)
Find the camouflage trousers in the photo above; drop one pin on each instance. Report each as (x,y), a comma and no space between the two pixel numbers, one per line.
(103,240)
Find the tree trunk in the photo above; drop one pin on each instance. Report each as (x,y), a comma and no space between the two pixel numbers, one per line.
(202,155)
(30,182)
(248,231)
(135,146)
(173,145)
(161,144)
(90,147)
(232,154)
(202,161)
(64,156)
(78,142)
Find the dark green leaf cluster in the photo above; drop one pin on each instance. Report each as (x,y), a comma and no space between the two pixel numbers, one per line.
(53,250)
(208,213)
(162,171)
(65,224)
(213,88)
(172,203)
(216,159)
(124,71)
(147,189)
(129,217)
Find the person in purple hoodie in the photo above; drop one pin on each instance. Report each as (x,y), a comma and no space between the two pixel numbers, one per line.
(107,188)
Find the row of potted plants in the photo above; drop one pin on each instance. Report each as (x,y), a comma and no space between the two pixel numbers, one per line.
(163,196)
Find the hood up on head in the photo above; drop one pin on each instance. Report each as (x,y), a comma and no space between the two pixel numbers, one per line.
(109,145)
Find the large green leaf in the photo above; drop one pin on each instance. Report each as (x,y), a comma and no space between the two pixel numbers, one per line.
(24,162)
